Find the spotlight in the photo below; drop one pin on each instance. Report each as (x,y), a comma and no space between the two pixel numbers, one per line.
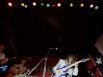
(51,48)
(10,4)
(91,5)
(22,4)
(53,5)
(96,7)
(59,4)
(34,3)
(47,5)
(42,4)
(71,4)
(26,6)
(56,48)
(81,5)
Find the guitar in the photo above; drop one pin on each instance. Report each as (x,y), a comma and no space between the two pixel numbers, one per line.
(3,67)
(62,71)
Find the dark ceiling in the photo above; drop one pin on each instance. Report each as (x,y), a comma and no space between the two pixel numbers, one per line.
(33,32)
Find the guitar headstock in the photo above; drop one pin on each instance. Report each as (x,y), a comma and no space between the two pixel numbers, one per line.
(84,60)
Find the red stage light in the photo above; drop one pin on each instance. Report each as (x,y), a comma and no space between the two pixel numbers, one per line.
(10,4)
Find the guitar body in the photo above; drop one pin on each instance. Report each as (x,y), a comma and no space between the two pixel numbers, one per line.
(59,73)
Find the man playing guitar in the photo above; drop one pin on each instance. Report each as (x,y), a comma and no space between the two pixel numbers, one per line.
(62,64)
(67,67)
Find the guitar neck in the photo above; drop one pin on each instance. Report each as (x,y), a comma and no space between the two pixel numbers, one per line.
(83,60)
(74,64)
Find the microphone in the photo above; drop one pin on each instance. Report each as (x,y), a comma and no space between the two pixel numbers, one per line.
(51,49)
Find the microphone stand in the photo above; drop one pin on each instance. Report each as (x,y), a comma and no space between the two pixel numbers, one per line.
(36,66)
(44,71)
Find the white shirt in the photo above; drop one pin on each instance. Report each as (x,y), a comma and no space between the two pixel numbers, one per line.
(71,71)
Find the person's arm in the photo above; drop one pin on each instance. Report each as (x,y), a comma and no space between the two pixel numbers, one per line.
(3,61)
(57,65)
(75,72)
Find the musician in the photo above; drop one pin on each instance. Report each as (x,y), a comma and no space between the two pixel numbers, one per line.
(3,60)
(18,68)
(73,71)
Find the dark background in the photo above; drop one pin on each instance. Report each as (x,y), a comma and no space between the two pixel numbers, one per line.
(32,31)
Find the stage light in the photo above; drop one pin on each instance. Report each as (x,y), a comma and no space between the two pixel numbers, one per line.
(34,3)
(56,48)
(47,5)
(50,48)
(10,4)
(81,5)
(96,7)
(22,4)
(59,4)
(42,4)
(26,6)
(71,4)
(53,5)
(91,5)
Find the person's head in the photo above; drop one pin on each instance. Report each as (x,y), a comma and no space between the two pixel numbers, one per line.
(23,61)
(2,47)
(71,58)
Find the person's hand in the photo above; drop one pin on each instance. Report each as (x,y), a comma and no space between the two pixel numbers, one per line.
(76,65)
(4,61)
